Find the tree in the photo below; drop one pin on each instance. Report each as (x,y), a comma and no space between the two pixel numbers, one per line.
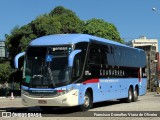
(101,28)
(60,10)
(19,39)
(5,72)
(70,23)
(45,25)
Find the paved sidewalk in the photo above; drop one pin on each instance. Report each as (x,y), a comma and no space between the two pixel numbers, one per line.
(8,103)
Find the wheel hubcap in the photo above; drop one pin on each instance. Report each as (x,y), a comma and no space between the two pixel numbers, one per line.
(86,101)
(135,93)
(130,95)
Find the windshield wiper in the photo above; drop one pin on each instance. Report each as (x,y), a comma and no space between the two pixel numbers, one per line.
(39,76)
(51,76)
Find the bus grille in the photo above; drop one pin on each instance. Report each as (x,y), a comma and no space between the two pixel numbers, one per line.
(43,95)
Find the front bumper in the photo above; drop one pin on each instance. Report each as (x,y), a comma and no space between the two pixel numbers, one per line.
(68,99)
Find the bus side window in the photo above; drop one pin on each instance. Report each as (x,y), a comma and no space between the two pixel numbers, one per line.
(110,56)
(79,59)
(117,56)
(78,64)
(103,56)
(94,54)
(97,54)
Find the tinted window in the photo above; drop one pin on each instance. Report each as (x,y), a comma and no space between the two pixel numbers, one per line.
(36,51)
(100,54)
(79,60)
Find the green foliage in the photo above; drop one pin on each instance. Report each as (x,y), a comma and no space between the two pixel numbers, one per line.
(5,71)
(45,25)
(69,22)
(60,10)
(103,29)
(19,39)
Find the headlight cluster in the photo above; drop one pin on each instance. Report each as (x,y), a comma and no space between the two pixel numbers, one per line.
(25,92)
(62,92)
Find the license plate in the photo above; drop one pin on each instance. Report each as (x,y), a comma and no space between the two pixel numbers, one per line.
(42,101)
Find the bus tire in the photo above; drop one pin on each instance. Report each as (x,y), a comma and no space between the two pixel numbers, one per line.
(130,96)
(135,95)
(88,102)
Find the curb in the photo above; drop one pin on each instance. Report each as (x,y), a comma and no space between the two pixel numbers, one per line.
(10,97)
(2,97)
(156,95)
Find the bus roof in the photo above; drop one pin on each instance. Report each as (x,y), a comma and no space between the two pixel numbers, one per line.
(60,39)
(64,39)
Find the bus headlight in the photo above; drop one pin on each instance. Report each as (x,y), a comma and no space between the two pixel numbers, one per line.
(24,92)
(62,92)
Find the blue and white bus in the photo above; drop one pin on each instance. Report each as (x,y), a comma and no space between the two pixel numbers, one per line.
(79,70)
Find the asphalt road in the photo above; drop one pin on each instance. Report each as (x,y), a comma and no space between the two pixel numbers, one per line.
(147,107)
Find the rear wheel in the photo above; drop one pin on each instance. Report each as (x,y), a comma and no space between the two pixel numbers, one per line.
(130,96)
(88,102)
(130,93)
(135,95)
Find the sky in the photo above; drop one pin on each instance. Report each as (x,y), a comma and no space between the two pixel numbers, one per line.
(133,18)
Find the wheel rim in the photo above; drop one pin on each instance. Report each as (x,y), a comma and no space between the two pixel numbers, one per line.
(135,93)
(130,95)
(86,101)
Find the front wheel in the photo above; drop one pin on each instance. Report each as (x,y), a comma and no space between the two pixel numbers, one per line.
(88,102)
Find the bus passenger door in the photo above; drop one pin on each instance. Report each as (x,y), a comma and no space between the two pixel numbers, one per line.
(95,59)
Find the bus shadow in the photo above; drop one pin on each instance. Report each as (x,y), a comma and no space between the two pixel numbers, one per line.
(110,103)
(106,103)
(58,110)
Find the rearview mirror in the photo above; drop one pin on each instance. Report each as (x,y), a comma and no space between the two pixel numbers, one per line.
(16,59)
(71,57)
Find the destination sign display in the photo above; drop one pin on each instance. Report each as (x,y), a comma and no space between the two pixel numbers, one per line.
(60,48)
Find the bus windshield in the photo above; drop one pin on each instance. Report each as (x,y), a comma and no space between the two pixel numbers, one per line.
(46,66)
